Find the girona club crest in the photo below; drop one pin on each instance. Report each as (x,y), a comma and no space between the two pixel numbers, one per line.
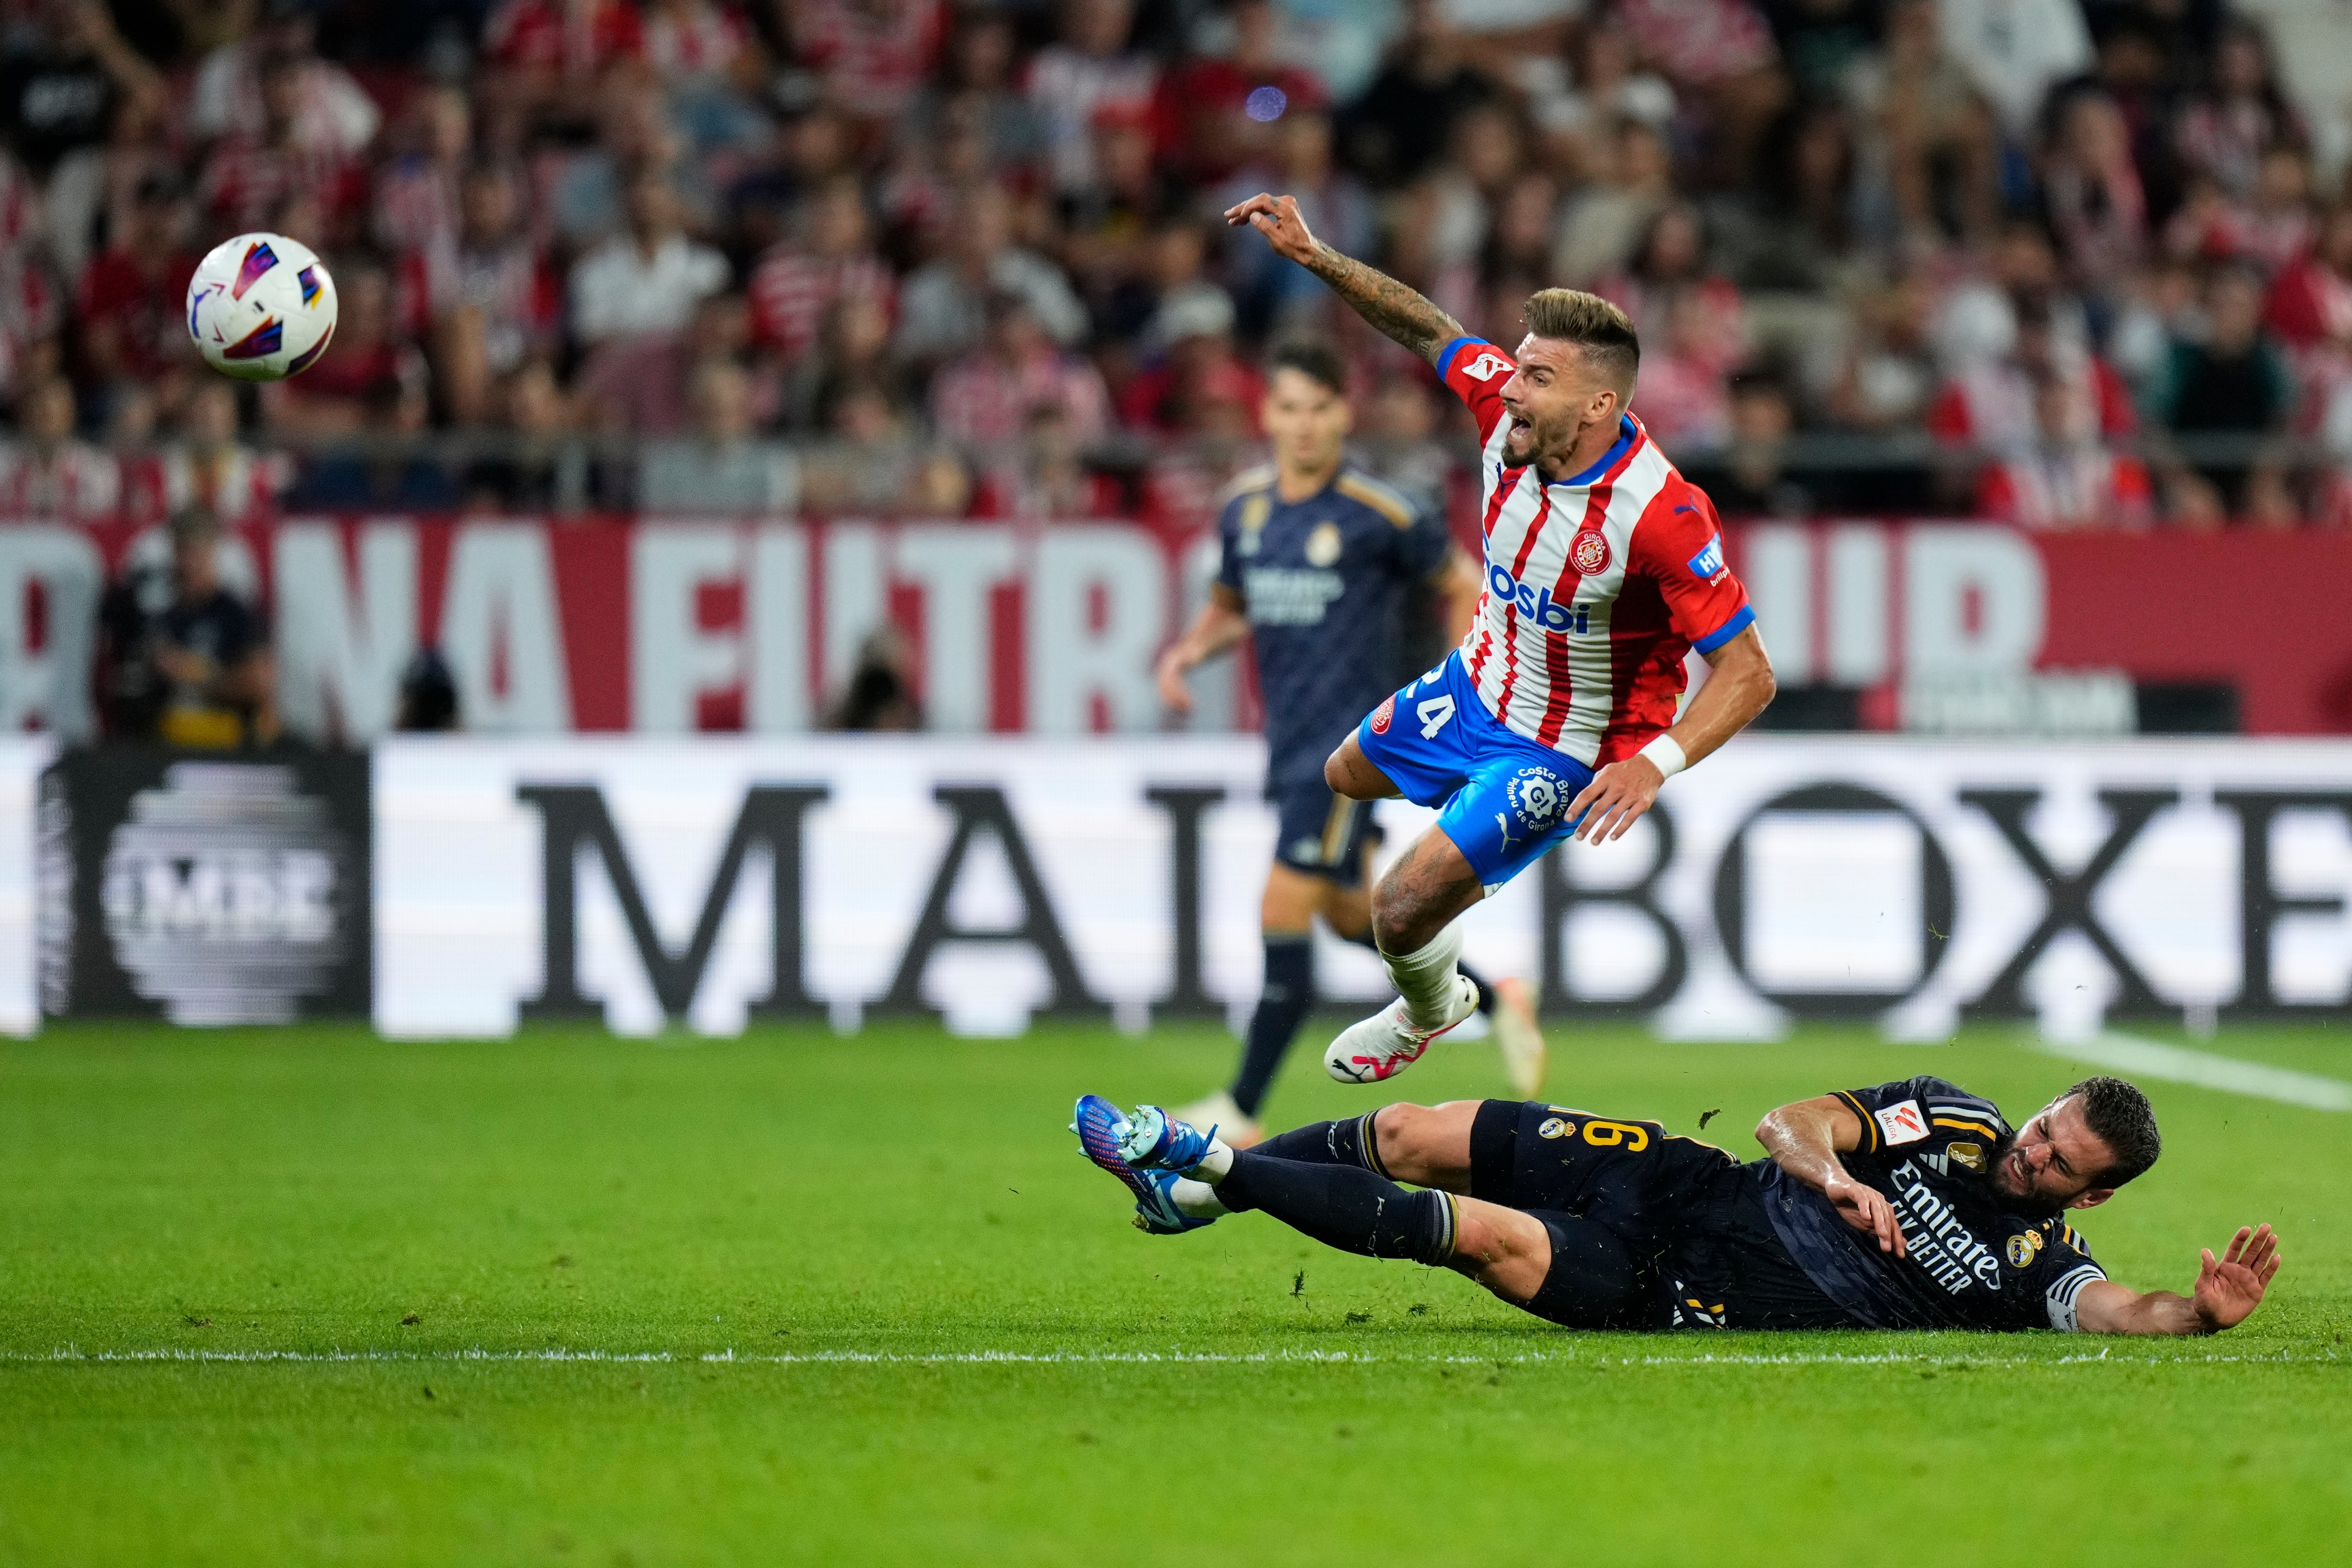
(1381,715)
(1589,554)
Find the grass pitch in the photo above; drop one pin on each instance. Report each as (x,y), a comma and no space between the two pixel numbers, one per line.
(305,1296)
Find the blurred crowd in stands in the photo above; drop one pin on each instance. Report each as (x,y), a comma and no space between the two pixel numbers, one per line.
(2073,263)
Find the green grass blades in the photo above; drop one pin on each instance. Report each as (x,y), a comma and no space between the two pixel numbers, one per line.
(305,1296)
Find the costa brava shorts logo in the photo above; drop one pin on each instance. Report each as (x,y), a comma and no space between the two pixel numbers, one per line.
(1536,794)
(1382,714)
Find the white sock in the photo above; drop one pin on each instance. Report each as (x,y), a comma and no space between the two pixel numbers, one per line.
(1424,978)
(1214,1164)
(1196,1200)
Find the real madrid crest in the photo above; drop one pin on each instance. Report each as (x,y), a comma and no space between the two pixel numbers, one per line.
(1969,1155)
(2023,1247)
(1323,545)
(1553,1127)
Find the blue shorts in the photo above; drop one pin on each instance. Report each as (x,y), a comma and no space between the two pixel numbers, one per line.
(1502,798)
(1322,834)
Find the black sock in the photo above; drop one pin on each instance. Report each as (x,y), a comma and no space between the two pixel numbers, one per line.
(1281,1007)
(1486,1001)
(1342,1207)
(1348,1142)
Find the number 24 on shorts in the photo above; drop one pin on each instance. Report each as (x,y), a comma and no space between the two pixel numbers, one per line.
(1434,712)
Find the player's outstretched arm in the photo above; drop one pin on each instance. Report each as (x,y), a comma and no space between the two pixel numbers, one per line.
(1805,1139)
(2228,1290)
(1397,310)
(1739,686)
(1222,622)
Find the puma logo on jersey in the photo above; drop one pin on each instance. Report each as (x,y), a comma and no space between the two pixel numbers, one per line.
(1486,365)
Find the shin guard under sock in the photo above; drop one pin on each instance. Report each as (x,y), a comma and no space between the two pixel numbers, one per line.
(1486,998)
(1348,1142)
(1344,1208)
(1424,977)
(1282,1006)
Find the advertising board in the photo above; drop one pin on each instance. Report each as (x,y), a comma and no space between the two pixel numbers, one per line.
(704,883)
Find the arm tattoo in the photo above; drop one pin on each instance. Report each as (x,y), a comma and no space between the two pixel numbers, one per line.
(1386,304)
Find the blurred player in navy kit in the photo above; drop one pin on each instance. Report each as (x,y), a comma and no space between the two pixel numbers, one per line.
(1318,559)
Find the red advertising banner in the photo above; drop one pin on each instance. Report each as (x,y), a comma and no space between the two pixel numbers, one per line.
(674,626)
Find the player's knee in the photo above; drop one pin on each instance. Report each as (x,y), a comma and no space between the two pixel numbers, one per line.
(1428,1145)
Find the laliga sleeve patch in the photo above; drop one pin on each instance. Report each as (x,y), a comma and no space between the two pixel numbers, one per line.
(1902,1122)
(1708,563)
(1382,714)
(1589,554)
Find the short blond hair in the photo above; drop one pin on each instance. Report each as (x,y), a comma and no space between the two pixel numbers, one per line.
(1603,331)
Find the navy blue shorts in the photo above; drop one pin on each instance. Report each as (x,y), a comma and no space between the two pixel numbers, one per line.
(1502,798)
(1322,834)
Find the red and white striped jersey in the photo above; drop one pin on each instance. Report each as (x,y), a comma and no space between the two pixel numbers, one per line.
(1597,587)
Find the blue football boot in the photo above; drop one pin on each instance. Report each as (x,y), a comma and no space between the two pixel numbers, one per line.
(1156,1140)
(1101,1131)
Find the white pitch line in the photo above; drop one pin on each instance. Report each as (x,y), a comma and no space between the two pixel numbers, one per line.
(68,1356)
(2152,1058)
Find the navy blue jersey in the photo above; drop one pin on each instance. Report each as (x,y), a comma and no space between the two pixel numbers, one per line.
(1323,582)
(1977,1261)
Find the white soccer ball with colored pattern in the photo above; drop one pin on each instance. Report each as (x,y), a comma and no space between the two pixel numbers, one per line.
(261,307)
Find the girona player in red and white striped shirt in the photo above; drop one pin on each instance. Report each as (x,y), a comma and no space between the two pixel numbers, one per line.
(1555,719)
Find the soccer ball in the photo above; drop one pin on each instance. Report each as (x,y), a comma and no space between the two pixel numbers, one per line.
(261,307)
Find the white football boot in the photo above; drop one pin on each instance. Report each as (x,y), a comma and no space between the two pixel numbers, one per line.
(1387,1043)
(1521,1037)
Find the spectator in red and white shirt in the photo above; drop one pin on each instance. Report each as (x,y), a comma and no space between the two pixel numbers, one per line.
(45,472)
(331,110)
(416,192)
(875,55)
(694,40)
(210,468)
(1045,475)
(1071,81)
(1221,111)
(798,281)
(942,310)
(2309,312)
(982,401)
(1989,402)
(2223,130)
(2067,479)
(705,54)
(2093,188)
(252,174)
(131,301)
(1683,389)
(543,49)
(330,397)
(488,299)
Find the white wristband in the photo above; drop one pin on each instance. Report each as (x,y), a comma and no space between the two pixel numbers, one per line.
(1665,755)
